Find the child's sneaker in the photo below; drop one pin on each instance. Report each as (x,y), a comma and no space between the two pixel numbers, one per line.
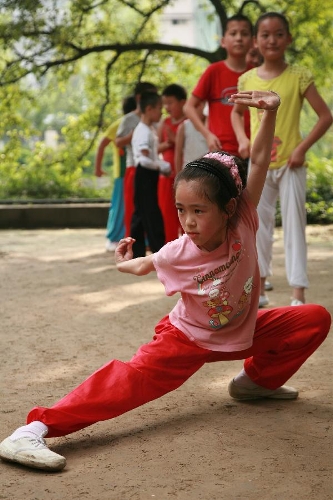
(246,393)
(268,286)
(31,452)
(263,301)
(110,246)
(296,302)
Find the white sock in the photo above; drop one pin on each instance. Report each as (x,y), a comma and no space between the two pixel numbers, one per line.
(243,380)
(34,429)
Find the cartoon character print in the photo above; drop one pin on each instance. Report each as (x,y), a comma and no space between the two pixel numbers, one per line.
(213,284)
(244,298)
(219,309)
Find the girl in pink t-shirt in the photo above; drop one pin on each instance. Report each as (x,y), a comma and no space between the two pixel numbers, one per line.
(214,267)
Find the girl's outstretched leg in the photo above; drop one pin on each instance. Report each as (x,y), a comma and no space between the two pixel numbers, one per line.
(157,368)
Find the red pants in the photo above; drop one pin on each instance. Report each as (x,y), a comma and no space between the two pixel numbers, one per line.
(128,198)
(166,201)
(284,338)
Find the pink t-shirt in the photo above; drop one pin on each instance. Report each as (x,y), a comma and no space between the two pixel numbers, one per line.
(219,289)
(215,86)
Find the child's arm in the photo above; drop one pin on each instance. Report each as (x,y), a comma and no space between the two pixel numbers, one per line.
(99,156)
(179,146)
(297,157)
(122,141)
(237,121)
(261,149)
(190,109)
(125,262)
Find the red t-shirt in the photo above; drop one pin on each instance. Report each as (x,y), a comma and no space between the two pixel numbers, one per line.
(215,86)
(169,154)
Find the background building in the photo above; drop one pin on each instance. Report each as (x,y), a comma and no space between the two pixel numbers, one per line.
(192,23)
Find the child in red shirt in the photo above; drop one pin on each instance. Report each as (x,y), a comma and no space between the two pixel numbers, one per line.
(216,85)
(174,98)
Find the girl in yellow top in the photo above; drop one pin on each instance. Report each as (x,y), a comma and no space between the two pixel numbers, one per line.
(286,177)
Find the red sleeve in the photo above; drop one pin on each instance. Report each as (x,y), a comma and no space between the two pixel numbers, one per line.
(202,89)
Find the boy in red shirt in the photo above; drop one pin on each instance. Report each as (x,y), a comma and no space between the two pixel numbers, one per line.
(216,85)
(174,97)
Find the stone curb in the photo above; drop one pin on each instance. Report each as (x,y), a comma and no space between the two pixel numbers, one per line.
(53,215)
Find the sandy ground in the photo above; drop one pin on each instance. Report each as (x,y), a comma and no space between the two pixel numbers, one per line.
(66,310)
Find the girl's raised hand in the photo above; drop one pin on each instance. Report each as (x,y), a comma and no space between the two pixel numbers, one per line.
(269,100)
(124,250)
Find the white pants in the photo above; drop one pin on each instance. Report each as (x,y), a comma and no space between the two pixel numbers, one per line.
(289,184)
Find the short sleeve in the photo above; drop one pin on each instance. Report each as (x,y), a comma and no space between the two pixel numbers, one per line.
(167,265)
(202,88)
(305,80)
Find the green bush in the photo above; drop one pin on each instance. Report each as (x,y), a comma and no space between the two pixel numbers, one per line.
(46,174)
(319,192)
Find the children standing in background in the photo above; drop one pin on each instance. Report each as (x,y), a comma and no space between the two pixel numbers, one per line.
(147,218)
(214,267)
(286,177)
(217,84)
(253,57)
(115,229)
(173,97)
(123,140)
(190,143)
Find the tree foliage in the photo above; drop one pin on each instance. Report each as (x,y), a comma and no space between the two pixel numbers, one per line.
(66,64)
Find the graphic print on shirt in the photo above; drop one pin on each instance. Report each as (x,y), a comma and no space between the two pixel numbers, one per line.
(226,94)
(214,285)
(246,294)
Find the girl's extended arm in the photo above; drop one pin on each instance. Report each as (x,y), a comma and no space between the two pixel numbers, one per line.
(262,145)
(125,262)
(297,157)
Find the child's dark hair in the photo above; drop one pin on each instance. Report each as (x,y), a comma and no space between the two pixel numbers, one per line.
(238,17)
(175,90)
(216,182)
(142,87)
(149,99)
(129,104)
(270,15)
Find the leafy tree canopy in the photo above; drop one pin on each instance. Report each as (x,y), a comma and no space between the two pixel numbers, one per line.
(37,36)
(66,64)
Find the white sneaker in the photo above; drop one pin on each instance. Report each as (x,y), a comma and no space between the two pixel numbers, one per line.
(110,246)
(246,393)
(296,302)
(263,301)
(31,452)
(268,286)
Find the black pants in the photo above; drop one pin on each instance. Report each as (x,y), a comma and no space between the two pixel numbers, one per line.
(147,218)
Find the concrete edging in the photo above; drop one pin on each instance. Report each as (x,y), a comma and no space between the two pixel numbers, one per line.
(53,215)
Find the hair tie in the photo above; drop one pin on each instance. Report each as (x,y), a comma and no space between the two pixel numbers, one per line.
(230,163)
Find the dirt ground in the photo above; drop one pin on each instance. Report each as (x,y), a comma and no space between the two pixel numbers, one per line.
(66,310)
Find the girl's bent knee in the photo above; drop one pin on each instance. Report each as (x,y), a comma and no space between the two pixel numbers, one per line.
(318,315)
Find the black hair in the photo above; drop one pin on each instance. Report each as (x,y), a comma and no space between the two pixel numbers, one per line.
(141,87)
(175,90)
(270,15)
(238,17)
(215,180)
(149,99)
(129,104)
